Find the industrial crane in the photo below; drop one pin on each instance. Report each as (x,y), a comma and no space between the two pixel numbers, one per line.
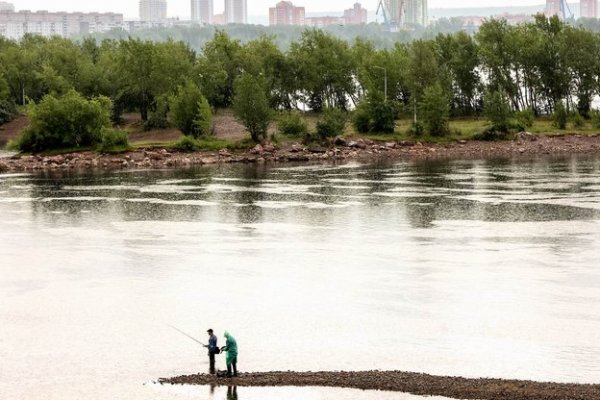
(560,8)
(392,11)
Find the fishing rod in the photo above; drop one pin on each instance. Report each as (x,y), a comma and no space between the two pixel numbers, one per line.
(185,334)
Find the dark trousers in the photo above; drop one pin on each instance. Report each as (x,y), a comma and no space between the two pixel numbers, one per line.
(234,365)
(211,358)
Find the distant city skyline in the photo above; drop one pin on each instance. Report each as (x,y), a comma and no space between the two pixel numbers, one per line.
(181,8)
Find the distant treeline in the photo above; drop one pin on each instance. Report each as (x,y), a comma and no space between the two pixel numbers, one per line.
(196,36)
(533,66)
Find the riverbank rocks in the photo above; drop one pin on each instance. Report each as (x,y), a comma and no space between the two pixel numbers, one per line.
(257,149)
(526,145)
(526,137)
(406,382)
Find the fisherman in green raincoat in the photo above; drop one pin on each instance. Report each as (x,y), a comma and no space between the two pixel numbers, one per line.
(232,353)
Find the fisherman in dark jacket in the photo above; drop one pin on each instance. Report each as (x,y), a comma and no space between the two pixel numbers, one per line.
(212,349)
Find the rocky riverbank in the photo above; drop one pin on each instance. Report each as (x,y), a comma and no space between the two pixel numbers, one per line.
(526,145)
(418,384)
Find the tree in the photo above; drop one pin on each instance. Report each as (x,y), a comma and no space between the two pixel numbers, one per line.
(435,110)
(219,66)
(560,116)
(423,71)
(325,70)
(497,111)
(331,123)
(251,105)
(66,122)
(149,70)
(189,111)
(375,114)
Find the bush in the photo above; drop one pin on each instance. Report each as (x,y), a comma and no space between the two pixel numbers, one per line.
(525,118)
(187,144)
(595,116)
(113,140)
(190,112)
(332,123)
(8,111)
(158,118)
(203,120)
(435,111)
(416,129)
(560,116)
(497,110)
(361,118)
(70,121)
(375,114)
(251,105)
(577,120)
(292,124)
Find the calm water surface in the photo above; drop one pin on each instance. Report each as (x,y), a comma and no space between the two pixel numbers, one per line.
(460,268)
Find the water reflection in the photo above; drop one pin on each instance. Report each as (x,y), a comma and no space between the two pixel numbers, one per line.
(473,268)
(232,393)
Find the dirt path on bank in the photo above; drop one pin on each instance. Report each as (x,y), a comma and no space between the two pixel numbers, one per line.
(395,381)
(12,129)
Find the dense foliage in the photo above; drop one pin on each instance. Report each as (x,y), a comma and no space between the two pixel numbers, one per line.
(190,111)
(536,66)
(251,105)
(69,121)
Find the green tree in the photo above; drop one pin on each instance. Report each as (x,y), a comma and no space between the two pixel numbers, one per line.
(331,123)
(560,116)
(375,114)
(423,71)
(435,110)
(219,67)
(325,70)
(251,105)
(497,111)
(67,122)
(149,70)
(189,111)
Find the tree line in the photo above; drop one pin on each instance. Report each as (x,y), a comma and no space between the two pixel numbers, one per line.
(533,67)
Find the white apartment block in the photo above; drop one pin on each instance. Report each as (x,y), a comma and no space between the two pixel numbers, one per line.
(236,11)
(153,10)
(202,11)
(15,25)
(4,6)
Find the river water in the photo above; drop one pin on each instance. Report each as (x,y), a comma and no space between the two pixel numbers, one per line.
(471,268)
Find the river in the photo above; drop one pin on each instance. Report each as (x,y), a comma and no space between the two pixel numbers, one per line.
(470,268)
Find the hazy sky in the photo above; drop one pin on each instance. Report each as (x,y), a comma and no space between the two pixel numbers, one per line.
(255,7)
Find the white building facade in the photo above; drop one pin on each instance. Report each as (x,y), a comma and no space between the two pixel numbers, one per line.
(153,10)
(236,11)
(4,6)
(202,11)
(15,25)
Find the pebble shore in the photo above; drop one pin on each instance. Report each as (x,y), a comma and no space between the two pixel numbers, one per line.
(395,381)
(526,145)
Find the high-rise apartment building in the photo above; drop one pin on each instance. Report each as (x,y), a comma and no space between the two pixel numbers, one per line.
(356,15)
(15,25)
(236,11)
(202,11)
(4,6)
(416,12)
(589,8)
(153,10)
(285,13)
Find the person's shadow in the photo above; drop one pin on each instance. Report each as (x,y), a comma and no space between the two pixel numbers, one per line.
(232,393)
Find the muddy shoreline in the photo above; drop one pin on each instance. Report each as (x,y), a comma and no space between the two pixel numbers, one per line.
(525,146)
(396,381)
